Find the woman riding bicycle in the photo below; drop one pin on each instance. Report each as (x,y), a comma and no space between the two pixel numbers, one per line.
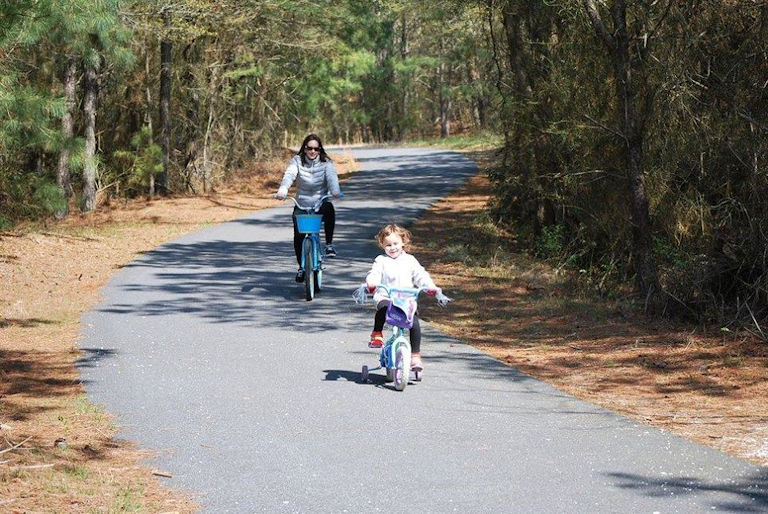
(315,176)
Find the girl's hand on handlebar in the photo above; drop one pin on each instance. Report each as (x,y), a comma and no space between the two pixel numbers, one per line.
(359,294)
(442,300)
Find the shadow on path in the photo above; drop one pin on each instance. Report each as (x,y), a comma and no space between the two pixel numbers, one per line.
(751,493)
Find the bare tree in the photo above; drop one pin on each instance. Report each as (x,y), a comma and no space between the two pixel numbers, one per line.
(166,47)
(63,170)
(89,109)
(617,41)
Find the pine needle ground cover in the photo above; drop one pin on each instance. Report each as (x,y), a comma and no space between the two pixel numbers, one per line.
(696,381)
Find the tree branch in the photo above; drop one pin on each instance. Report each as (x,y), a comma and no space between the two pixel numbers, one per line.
(608,129)
(652,32)
(597,23)
(15,445)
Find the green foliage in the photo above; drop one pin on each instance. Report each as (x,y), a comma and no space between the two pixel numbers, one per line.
(28,118)
(144,162)
(48,197)
(250,76)
(251,71)
(27,195)
(127,499)
(550,242)
(35,38)
(468,142)
(700,74)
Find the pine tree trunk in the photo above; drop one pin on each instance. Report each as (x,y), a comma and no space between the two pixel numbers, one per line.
(148,120)
(511,21)
(618,42)
(404,52)
(445,102)
(478,102)
(191,130)
(63,171)
(89,109)
(166,48)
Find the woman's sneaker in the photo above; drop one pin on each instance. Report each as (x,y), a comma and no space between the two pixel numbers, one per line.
(377,340)
(300,275)
(330,251)
(416,363)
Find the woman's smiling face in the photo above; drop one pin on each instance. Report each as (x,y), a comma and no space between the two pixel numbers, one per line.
(393,245)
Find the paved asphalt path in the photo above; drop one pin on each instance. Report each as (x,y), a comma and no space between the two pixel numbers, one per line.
(251,396)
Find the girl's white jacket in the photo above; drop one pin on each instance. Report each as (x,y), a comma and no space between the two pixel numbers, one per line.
(404,271)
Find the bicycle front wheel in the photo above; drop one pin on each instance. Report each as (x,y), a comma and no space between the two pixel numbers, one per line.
(309,275)
(402,367)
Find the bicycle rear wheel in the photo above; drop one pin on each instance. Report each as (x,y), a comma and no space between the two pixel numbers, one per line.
(309,275)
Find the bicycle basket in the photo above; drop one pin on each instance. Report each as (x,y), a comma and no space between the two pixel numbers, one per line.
(400,311)
(308,223)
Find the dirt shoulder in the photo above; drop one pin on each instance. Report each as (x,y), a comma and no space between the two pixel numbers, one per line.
(58,451)
(698,382)
(61,453)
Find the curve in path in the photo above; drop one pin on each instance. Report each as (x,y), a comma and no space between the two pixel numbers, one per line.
(208,354)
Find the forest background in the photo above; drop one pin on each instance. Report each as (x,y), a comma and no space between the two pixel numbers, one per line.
(631,133)
(630,156)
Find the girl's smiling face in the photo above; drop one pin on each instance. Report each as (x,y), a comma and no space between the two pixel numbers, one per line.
(393,245)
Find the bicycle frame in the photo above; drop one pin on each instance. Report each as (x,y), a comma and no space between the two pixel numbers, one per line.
(309,223)
(395,356)
(313,257)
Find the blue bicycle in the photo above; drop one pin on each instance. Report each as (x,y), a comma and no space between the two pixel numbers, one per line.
(309,223)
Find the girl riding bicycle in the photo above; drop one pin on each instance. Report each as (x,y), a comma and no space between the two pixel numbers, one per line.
(315,176)
(396,268)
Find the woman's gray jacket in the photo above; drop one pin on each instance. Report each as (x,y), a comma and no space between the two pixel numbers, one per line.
(313,181)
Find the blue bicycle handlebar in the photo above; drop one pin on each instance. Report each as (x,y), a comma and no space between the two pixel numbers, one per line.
(411,290)
(360,294)
(314,207)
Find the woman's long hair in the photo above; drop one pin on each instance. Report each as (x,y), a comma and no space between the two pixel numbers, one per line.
(303,150)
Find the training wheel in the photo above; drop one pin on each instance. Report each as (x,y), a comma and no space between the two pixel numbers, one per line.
(417,375)
(364,374)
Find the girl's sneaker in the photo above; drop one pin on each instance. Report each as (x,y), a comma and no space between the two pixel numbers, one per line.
(377,340)
(416,363)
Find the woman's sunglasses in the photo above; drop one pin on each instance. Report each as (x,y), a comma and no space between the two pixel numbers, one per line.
(312,148)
